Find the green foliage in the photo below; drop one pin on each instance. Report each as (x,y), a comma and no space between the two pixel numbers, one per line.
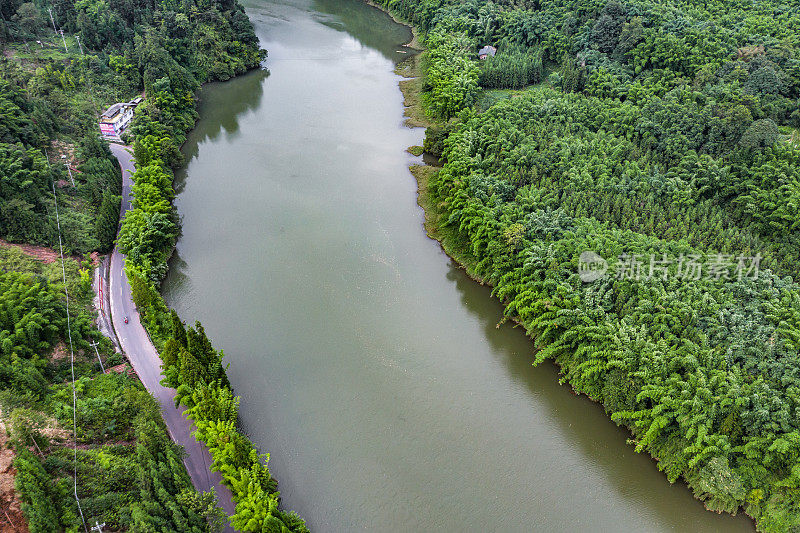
(39,495)
(45,104)
(760,135)
(149,230)
(161,479)
(32,317)
(705,373)
(152,309)
(107,219)
(129,474)
(451,76)
(164,49)
(24,194)
(194,368)
(167,50)
(513,70)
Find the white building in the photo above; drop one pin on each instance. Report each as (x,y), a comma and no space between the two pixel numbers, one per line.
(116,118)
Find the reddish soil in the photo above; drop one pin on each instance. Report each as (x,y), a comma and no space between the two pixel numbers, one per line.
(11,517)
(46,255)
(124,368)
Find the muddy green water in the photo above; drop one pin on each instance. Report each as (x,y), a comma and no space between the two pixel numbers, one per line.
(369,366)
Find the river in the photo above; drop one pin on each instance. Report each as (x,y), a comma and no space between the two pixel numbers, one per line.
(369,366)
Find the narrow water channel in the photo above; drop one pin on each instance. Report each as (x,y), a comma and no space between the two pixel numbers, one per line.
(369,366)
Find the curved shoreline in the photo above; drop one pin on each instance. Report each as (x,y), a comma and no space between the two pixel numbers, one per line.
(422,174)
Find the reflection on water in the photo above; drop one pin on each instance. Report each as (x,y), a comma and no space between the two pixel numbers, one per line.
(220,106)
(221,109)
(179,280)
(366,25)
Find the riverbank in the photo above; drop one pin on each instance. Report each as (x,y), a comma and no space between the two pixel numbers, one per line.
(458,250)
(312,275)
(415,42)
(455,248)
(195,393)
(412,69)
(140,351)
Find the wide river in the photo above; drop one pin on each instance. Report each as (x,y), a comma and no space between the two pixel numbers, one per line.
(370,367)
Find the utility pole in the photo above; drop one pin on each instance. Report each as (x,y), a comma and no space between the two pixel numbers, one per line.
(98,527)
(64,41)
(9,519)
(70,174)
(78,38)
(50,10)
(98,358)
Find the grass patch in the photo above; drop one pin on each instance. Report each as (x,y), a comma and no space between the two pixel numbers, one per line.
(51,48)
(415,150)
(489,97)
(411,87)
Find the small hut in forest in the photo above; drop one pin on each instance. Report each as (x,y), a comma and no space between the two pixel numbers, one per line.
(487,51)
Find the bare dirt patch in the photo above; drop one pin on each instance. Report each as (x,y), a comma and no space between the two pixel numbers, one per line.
(41,253)
(60,352)
(61,148)
(11,518)
(124,368)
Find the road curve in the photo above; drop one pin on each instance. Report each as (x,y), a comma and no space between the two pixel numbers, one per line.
(135,343)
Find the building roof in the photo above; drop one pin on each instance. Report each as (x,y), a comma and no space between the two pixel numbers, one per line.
(487,50)
(119,107)
(113,110)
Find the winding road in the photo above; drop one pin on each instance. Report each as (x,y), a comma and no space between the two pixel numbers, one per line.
(136,344)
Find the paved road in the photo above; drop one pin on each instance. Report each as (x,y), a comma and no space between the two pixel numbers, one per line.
(136,345)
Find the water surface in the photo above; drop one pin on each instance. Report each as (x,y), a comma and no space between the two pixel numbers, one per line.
(369,366)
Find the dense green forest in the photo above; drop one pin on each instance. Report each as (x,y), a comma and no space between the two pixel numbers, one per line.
(649,133)
(129,473)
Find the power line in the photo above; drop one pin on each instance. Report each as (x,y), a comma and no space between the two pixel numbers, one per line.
(70,174)
(72,366)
